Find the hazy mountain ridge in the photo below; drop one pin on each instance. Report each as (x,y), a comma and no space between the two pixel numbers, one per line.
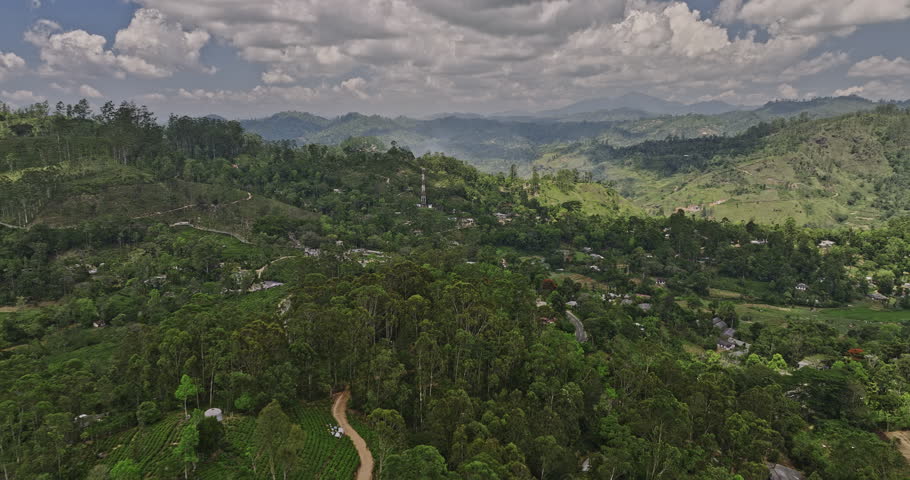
(493,143)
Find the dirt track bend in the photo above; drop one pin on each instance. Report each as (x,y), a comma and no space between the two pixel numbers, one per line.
(339,411)
(580,334)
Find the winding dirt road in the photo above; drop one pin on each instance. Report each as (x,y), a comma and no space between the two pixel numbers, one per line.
(339,411)
(580,334)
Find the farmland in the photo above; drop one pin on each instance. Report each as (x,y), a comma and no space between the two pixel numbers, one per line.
(152,448)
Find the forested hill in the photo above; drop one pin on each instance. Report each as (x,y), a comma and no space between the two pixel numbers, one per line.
(183,300)
(495,143)
(849,170)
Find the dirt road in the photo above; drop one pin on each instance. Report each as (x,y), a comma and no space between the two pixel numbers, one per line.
(580,334)
(902,438)
(339,411)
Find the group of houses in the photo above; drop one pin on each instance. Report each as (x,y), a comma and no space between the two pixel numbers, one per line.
(727,341)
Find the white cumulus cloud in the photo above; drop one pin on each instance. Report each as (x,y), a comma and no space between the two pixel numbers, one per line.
(878,66)
(808,16)
(153,47)
(787,91)
(149,47)
(89,92)
(21,97)
(10,63)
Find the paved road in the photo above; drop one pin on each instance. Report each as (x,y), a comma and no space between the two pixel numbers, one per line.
(339,411)
(580,334)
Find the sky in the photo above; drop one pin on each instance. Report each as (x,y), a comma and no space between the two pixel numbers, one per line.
(245,59)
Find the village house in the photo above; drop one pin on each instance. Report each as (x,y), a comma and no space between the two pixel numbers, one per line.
(802,287)
(660,282)
(826,244)
(719,324)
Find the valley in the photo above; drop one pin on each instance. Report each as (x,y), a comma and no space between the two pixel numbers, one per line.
(188,305)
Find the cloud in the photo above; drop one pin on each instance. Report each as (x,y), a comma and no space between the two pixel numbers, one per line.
(819,64)
(497,54)
(89,92)
(10,63)
(70,52)
(787,91)
(61,88)
(151,98)
(294,94)
(149,47)
(727,10)
(878,90)
(276,76)
(878,66)
(21,97)
(813,16)
(354,85)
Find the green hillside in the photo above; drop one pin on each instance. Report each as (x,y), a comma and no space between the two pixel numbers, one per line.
(844,170)
(501,328)
(591,199)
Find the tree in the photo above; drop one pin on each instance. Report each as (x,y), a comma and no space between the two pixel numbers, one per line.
(100,472)
(126,470)
(390,429)
(272,429)
(422,462)
(211,435)
(186,390)
(292,449)
(186,448)
(147,413)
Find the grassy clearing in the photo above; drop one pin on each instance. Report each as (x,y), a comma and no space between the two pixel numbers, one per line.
(588,282)
(595,199)
(724,294)
(730,288)
(841,318)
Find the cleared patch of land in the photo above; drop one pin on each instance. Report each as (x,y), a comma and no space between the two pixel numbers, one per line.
(901,440)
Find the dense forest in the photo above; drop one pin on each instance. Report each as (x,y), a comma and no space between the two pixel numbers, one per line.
(150,272)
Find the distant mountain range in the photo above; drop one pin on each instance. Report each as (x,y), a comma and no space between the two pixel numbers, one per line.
(643,103)
(496,142)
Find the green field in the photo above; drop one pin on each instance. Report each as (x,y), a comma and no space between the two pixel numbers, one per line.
(841,318)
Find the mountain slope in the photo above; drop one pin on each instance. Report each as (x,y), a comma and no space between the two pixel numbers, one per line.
(641,102)
(495,143)
(847,170)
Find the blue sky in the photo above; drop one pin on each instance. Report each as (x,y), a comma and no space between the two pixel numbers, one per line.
(244,59)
